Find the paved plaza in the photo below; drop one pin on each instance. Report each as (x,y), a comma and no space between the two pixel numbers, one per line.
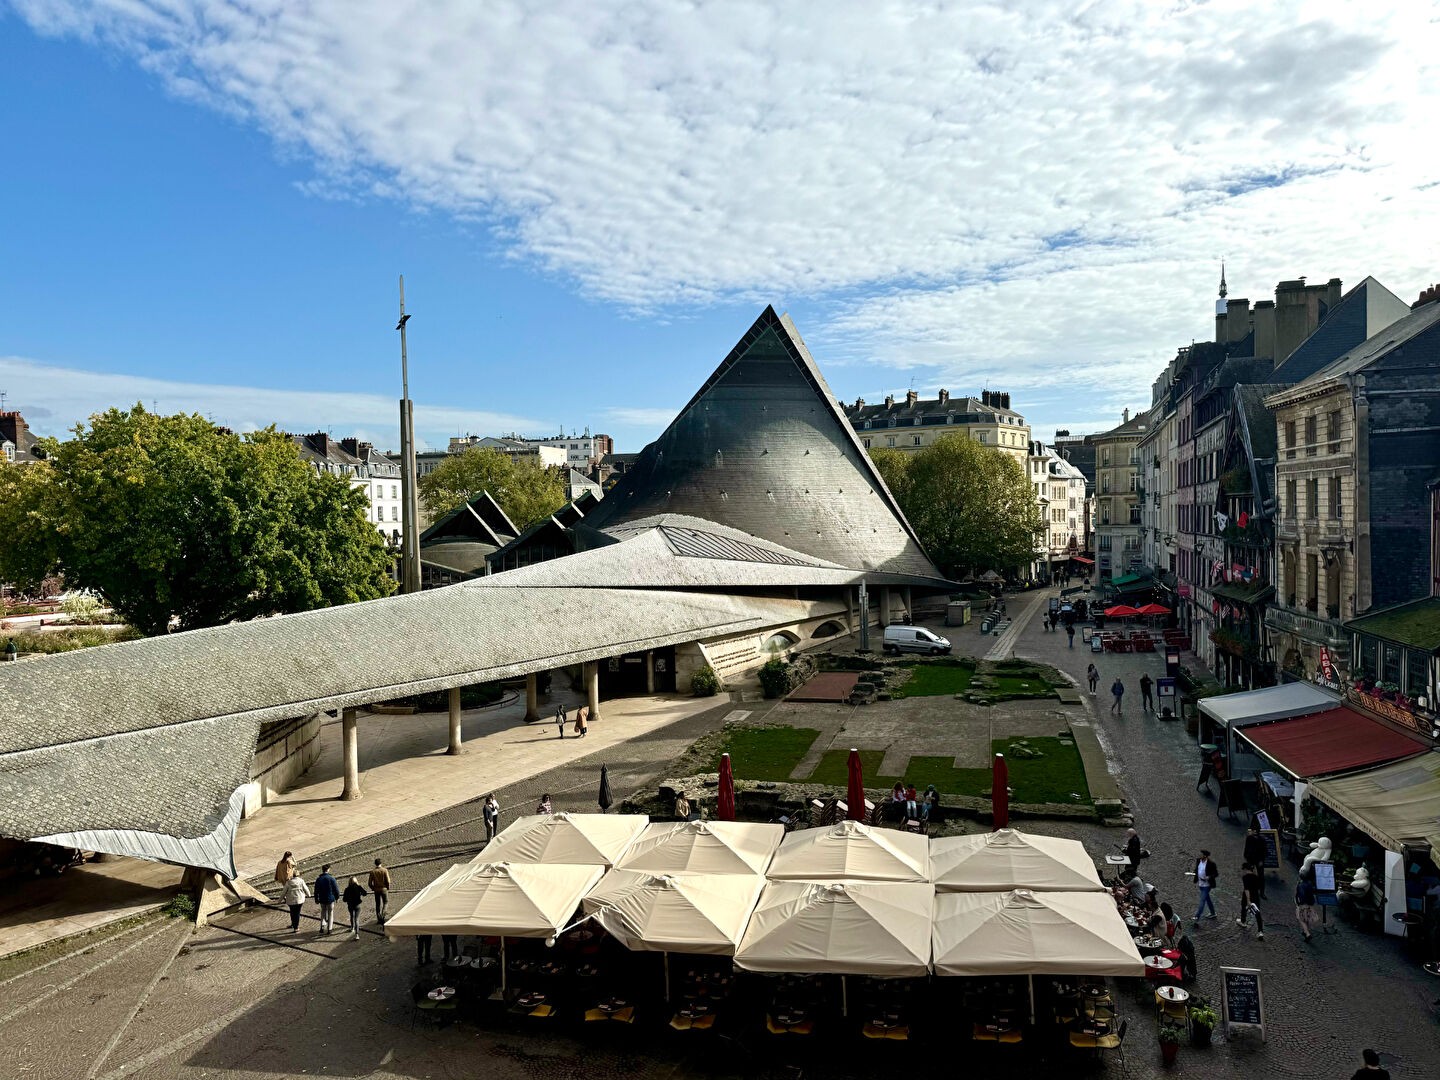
(242,999)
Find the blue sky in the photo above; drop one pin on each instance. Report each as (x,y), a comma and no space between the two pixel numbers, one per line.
(209,202)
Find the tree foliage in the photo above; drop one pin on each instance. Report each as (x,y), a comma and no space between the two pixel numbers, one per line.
(171,519)
(525,490)
(971,504)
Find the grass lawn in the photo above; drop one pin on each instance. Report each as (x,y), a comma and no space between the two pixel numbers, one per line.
(765,753)
(1020,684)
(1050,778)
(935,680)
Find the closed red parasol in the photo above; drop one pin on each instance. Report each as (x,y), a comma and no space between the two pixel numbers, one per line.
(1000,793)
(855,792)
(725,801)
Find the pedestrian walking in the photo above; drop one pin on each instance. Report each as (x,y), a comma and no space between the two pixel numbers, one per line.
(295,895)
(1371,1070)
(1092,675)
(1206,875)
(582,721)
(491,810)
(327,891)
(380,889)
(1255,852)
(1249,892)
(1117,691)
(1305,906)
(1147,703)
(543,807)
(285,868)
(560,720)
(422,948)
(450,944)
(352,896)
(1070,633)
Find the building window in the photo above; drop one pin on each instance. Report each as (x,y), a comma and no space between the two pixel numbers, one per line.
(1290,438)
(1310,436)
(1335,483)
(984,437)
(1104,541)
(1368,652)
(1390,671)
(915,440)
(393,493)
(1312,499)
(889,440)
(1332,433)
(1417,673)
(1292,508)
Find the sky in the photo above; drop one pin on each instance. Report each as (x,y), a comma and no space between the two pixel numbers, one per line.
(209,202)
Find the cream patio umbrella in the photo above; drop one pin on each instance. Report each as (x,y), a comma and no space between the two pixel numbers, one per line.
(840,928)
(851,851)
(573,839)
(1031,933)
(497,899)
(665,913)
(1010,859)
(703,847)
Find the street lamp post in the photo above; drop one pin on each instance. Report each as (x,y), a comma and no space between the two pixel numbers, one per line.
(410,536)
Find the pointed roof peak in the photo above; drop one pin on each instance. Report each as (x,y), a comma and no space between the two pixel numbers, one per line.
(1223,290)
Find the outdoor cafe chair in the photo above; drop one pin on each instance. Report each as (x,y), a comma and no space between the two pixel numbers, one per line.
(1114,1040)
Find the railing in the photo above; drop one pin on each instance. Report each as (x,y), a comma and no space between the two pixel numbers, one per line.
(1327,632)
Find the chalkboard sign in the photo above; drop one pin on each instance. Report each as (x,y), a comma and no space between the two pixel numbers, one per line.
(1241,1001)
(1272,848)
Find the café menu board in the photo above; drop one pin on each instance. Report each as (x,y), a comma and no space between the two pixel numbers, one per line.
(1241,1002)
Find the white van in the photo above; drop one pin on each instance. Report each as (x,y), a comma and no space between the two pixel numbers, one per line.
(914,639)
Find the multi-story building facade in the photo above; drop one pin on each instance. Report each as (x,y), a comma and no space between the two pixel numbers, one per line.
(1060,494)
(17,444)
(1358,447)
(581,451)
(545,453)
(912,423)
(1118,548)
(368,470)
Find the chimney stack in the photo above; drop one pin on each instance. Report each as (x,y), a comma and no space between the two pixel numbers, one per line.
(320,442)
(1005,400)
(944,397)
(1125,416)
(985,397)
(1427,296)
(859,403)
(889,401)
(910,398)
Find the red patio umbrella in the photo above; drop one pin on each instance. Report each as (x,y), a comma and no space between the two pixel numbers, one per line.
(1153,609)
(725,801)
(855,792)
(1000,793)
(1121,611)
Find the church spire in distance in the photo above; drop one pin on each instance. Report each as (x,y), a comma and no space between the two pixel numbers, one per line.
(1222,279)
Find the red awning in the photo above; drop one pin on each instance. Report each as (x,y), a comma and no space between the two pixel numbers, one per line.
(1336,740)
(1081,558)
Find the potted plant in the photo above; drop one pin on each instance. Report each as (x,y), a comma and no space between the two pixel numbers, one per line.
(1170,1036)
(1203,1019)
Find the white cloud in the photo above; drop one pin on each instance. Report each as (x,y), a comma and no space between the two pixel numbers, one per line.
(648,419)
(54,399)
(1016,193)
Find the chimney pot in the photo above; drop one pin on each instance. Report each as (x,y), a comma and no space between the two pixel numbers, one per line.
(910,398)
(944,396)
(1125,416)
(889,401)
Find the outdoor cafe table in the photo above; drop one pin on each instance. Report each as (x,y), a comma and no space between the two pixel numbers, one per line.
(1158,964)
(1173,994)
(441,993)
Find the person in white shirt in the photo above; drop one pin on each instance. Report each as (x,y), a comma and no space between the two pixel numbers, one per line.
(1206,874)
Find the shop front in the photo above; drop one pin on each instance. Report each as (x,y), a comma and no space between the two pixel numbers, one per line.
(1397,808)
(1223,715)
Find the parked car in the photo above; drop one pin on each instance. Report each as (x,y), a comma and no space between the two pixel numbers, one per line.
(900,639)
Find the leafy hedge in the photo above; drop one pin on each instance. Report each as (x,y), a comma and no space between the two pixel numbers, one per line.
(705,682)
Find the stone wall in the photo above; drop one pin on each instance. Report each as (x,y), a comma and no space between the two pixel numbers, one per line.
(284,750)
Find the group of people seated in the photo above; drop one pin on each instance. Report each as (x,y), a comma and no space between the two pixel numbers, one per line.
(1153,921)
(907,804)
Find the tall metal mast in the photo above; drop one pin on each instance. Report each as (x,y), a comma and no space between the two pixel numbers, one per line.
(410,518)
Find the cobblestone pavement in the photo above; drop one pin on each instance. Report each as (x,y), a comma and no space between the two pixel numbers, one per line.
(245,999)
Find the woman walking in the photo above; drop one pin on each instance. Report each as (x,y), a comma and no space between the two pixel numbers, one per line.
(1249,894)
(492,817)
(295,895)
(352,896)
(1305,906)
(1092,675)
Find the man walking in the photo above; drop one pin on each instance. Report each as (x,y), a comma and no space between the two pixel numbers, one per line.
(327,891)
(1092,674)
(491,810)
(1147,704)
(1206,874)
(1255,852)
(380,889)
(1070,633)
(1117,690)
(560,719)
(1371,1070)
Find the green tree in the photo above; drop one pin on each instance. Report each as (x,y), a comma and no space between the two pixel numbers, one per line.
(525,490)
(971,505)
(172,520)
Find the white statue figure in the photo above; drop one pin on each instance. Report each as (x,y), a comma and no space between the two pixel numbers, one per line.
(1319,852)
(1360,884)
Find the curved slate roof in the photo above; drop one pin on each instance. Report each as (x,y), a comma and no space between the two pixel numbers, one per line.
(763,447)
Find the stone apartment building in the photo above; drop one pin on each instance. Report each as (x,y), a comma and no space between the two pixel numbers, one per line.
(1358,450)
(1118,550)
(1060,494)
(17,443)
(374,473)
(911,423)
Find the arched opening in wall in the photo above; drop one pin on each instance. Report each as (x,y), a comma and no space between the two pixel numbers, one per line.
(777,643)
(828,629)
